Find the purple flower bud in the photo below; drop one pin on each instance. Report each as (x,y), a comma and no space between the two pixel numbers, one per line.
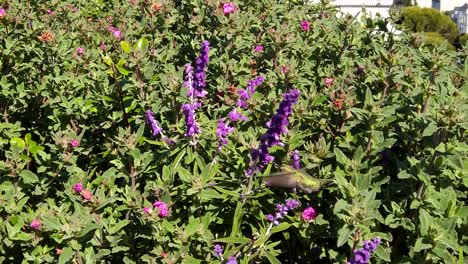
(200,70)
(78,187)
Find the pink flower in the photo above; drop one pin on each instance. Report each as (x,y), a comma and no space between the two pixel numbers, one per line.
(115,31)
(117,34)
(328,81)
(162,208)
(87,195)
(80,51)
(50,12)
(284,69)
(258,48)
(147,210)
(103,46)
(229,8)
(2,12)
(309,214)
(305,25)
(74,142)
(78,187)
(35,224)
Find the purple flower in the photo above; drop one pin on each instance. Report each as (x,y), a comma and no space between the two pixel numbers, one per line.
(200,67)
(2,12)
(363,255)
(221,132)
(282,210)
(235,116)
(232,260)
(276,127)
(296,159)
(292,204)
(309,214)
(249,91)
(191,123)
(78,187)
(272,219)
(218,249)
(35,224)
(259,48)
(305,25)
(155,129)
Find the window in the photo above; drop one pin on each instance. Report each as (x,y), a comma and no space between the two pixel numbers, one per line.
(462,29)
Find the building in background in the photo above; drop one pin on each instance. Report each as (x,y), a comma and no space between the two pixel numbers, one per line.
(460,16)
(354,7)
(442,5)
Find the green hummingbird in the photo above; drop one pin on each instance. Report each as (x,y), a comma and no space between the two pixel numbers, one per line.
(291,178)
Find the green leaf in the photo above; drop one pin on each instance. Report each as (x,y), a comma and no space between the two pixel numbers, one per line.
(238,214)
(142,44)
(121,224)
(424,221)
(420,245)
(52,223)
(430,129)
(340,157)
(28,176)
(281,227)
(66,255)
(343,235)
(18,142)
(126,47)
(233,240)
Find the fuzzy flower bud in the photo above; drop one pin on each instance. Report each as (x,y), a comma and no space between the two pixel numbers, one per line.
(78,187)
(229,8)
(162,208)
(35,224)
(74,143)
(309,214)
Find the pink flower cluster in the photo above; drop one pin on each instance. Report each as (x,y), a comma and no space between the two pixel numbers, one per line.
(229,8)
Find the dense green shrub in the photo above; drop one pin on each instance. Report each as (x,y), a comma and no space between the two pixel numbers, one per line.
(83,179)
(463,40)
(435,39)
(417,19)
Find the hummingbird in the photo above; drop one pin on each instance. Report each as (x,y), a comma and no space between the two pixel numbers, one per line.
(291,178)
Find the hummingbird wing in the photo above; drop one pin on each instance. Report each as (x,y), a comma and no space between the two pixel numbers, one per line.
(281,179)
